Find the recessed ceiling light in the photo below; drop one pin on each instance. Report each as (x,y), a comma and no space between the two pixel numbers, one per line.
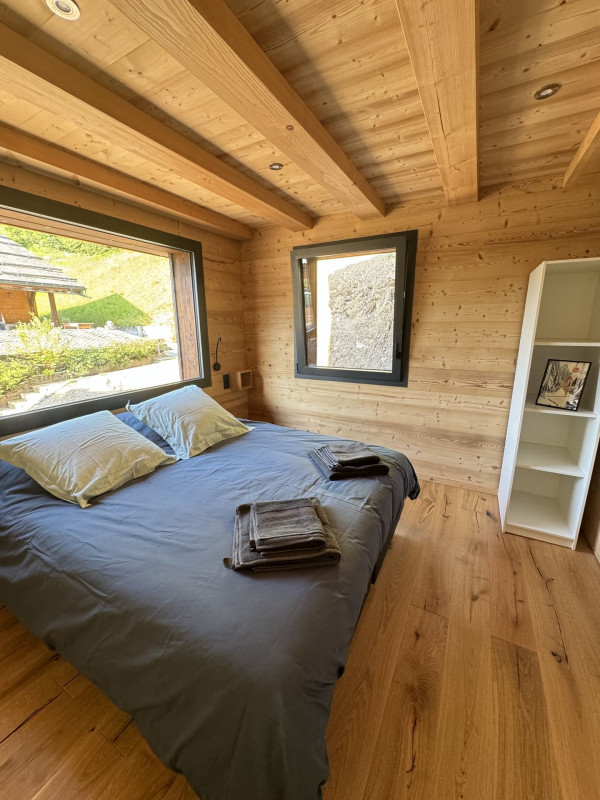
(67,9)
(547,91)
(276,165)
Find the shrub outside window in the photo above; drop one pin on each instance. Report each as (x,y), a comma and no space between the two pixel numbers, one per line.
(353,308)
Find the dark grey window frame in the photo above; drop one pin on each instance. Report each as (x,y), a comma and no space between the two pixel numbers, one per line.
(43,208)
(405,244)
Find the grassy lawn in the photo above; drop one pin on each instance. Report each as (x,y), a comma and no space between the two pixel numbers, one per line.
(114,307)
(123,286)
(126,287)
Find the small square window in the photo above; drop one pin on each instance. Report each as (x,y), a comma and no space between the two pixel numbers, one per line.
(353,308)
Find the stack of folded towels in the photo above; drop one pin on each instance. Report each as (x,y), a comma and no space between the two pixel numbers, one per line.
(347,460)
(282,534)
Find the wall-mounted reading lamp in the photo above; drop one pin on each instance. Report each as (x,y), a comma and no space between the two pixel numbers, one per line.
(216,365)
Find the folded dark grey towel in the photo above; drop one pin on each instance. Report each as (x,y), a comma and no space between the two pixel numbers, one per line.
(344,473)
(349,454)
(286,524)
(246,558)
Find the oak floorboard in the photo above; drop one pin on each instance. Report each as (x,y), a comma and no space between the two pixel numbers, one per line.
(510,615)
(361,699)
(496,698)
(523,736)
(85,772)
(400,768)
(18,661)
(35,752)
(180,790)
(434,578)
(18,706)
(565,619)
(140,776)
(466,739)
(128,739)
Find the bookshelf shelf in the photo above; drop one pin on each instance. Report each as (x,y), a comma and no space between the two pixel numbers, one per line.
(549,452)
(548,458)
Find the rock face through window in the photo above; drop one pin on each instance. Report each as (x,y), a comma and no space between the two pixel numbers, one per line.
(353,307)
(361,299)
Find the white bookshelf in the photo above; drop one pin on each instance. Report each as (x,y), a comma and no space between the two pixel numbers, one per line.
(581,411)
(548,458)
(536,515)
(549,452)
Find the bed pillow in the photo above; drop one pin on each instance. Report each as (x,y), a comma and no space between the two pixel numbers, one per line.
(83,457)
(188,419)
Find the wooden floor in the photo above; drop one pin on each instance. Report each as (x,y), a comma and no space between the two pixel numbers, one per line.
(474,674)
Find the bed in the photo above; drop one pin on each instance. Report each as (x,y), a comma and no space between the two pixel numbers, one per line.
(228,675)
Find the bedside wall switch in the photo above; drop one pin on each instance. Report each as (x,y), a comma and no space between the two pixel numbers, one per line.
(226,381)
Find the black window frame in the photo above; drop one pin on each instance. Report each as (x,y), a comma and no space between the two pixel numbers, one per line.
(14,200)
(405,244)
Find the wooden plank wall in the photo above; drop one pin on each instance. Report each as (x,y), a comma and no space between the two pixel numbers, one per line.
(222,269)
(473,263)
(225,309)
(14,306)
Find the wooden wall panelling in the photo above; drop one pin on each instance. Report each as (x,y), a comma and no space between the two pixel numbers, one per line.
(473,263)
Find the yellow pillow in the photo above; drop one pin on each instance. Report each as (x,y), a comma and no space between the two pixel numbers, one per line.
(83,457)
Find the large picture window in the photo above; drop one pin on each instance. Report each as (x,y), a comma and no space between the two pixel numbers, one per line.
(93,312)
(352,309)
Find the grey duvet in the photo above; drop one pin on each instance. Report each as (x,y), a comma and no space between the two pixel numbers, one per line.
(228,675)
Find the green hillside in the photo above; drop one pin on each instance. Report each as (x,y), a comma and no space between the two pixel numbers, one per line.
(114,308)
(123,286)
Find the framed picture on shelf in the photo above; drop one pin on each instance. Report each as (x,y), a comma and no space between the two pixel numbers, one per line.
(562,384)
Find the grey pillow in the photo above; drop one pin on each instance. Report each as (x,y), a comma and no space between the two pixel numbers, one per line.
(188,419)
(83,457)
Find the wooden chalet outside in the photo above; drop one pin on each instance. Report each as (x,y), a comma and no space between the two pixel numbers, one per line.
(22,275)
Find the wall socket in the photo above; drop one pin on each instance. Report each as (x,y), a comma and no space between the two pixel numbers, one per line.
(226,381)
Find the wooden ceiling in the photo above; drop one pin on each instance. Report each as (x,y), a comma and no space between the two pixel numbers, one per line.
(183,104)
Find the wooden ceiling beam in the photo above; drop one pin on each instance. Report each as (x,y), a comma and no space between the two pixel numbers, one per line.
(49,154)
(442,38)
(587,157)
(44,77)
(72,193)
(207,38)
